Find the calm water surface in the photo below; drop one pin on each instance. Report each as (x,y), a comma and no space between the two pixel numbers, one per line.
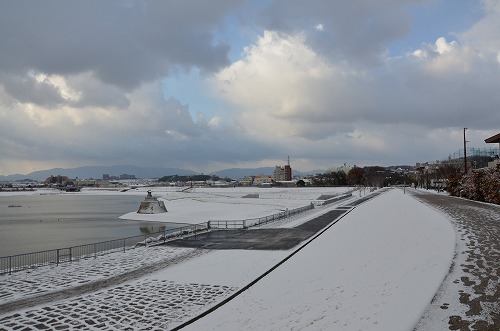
(63,220)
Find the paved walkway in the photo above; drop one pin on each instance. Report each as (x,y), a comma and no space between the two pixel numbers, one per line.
(110,292)
(469,298)
(46,284)
(258,238)
(266,238)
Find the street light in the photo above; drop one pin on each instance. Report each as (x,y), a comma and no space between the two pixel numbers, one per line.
(427,173)
(465,153)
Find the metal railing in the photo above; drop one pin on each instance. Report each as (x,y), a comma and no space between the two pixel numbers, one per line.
(246,223)
(13,263)
(338,198)
(9,264)
(227,225)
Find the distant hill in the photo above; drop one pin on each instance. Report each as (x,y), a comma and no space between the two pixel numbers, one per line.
(237,173)
(96,172)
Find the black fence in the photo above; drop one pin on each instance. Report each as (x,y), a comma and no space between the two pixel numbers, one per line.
(338,198)
(9,264)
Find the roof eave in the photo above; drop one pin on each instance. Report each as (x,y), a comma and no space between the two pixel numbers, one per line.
(492,140)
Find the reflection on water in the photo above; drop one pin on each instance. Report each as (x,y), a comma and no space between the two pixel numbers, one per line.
(151,229)
(43,222)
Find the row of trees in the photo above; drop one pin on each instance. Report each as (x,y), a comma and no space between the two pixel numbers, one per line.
(338,178)
(192,178)
(368,176)
(480,185)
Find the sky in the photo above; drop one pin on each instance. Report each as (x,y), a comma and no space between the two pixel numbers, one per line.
(208,86)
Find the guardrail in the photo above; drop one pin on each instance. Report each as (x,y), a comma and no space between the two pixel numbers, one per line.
(338,198)
(227,225)
(10,264)
(243,224)
(13,263)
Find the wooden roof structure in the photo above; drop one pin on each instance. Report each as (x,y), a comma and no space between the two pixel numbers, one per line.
(494,139)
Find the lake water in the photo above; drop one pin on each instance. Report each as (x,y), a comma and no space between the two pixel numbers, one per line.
(43,222)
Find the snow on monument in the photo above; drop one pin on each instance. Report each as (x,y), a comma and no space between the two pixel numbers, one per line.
(151,205)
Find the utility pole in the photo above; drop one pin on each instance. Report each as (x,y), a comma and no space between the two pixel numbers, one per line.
(465,153)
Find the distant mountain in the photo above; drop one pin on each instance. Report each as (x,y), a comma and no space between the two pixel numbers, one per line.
(237,173)
(308,173)
(96,172)
(13,177)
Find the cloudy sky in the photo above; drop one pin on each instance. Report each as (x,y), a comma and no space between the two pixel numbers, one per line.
(210,85)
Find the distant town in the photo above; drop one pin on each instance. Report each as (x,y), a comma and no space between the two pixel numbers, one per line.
(425,175)
(471,172)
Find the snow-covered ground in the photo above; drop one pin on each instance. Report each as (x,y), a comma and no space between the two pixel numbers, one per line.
(199,205)
(375,269)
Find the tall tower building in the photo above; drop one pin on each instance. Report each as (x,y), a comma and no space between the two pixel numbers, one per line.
(283,173)
(288,172)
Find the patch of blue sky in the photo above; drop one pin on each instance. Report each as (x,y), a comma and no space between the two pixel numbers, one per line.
(239,30)
(190,88)
(235,34)
(437,18)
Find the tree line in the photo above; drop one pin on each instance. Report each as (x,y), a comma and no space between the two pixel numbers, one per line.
(480,185)
(367,176)
(192,178)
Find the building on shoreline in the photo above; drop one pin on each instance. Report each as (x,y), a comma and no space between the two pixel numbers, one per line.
(282,173)
(494,140)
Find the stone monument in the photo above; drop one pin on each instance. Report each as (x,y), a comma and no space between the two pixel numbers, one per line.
(151,205)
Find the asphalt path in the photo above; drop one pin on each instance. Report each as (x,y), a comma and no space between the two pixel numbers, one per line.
(259,239)
(267,239)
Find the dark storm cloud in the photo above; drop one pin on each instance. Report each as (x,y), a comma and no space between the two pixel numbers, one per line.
(355,30)
(28,89)
(124,43)
(94,93)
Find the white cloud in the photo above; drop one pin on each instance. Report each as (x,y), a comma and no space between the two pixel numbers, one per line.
(149,130)
(315,84)
(358,30)
(284,89)
(215,121)
(281,86)
(440,47)
(443,47)
(483,35)
(59,82)
(289,93)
